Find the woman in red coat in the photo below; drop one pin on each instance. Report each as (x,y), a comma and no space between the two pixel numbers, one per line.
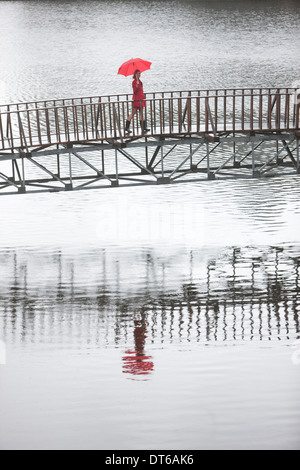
(138,102)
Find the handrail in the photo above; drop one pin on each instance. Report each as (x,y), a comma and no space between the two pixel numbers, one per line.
(129,95)
(129,101)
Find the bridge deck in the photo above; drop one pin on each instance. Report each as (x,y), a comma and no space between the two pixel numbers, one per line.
(246,119)
(46,140)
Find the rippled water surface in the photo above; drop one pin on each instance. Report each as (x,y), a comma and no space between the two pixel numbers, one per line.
(160,317)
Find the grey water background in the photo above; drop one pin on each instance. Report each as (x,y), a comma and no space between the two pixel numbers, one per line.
(160,317)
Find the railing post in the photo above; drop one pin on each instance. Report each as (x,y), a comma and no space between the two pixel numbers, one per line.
(185,109)
(117,125)
(233,110)
(7,124)
(243,109)
(278,110)
(163,112)
(1,134)
(251,110)
(209,117)
(298,156)
(198,109)
(86,122)
(170,115)
(23,139)
(269,110)
(260,118)
(216,112)
(179,115)
(151,115)
(9,127)
(161,124)
(47,124)
(225,110)
(98,115)
(109,109)
(189,111)
(38,125)
(57,125)
(287,109)
(206,114)
(103,120)
(66,121)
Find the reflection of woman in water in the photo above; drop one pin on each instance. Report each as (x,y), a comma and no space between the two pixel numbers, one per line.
(136,362)
(138,102)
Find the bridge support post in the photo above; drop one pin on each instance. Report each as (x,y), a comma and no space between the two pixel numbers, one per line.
(116,183)
(207,157)
(277,153)
(234,153)
(255,173)
(210,175)
(58,165)
(22,189)
(69,186)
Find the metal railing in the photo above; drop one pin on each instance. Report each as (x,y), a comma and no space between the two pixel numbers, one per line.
(53,122)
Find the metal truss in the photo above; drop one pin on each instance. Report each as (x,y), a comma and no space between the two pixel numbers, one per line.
(149,160)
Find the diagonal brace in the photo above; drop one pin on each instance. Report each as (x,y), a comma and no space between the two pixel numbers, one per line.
(42,167)
(99,173)
(285,146)
(235,154)
(8,181)
(165,155)
(290,153)
(137,163)
(186,159)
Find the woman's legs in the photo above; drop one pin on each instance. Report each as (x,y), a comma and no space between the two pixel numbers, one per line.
(142,122)
(141,118)
(130,117)
(134,110)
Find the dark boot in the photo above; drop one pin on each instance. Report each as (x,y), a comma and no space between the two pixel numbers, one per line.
(144,127)
(127,131)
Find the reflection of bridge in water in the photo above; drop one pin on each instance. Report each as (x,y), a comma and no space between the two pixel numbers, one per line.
(68,144)
(230,295)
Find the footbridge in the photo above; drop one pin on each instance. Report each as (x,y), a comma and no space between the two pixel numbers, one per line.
(81,143)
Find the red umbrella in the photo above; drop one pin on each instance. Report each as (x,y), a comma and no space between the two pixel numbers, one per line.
(129,67)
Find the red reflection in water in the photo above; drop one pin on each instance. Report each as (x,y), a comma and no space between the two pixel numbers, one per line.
(135,361)
(135,364)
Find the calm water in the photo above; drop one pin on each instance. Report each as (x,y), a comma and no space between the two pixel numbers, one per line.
(156,317)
